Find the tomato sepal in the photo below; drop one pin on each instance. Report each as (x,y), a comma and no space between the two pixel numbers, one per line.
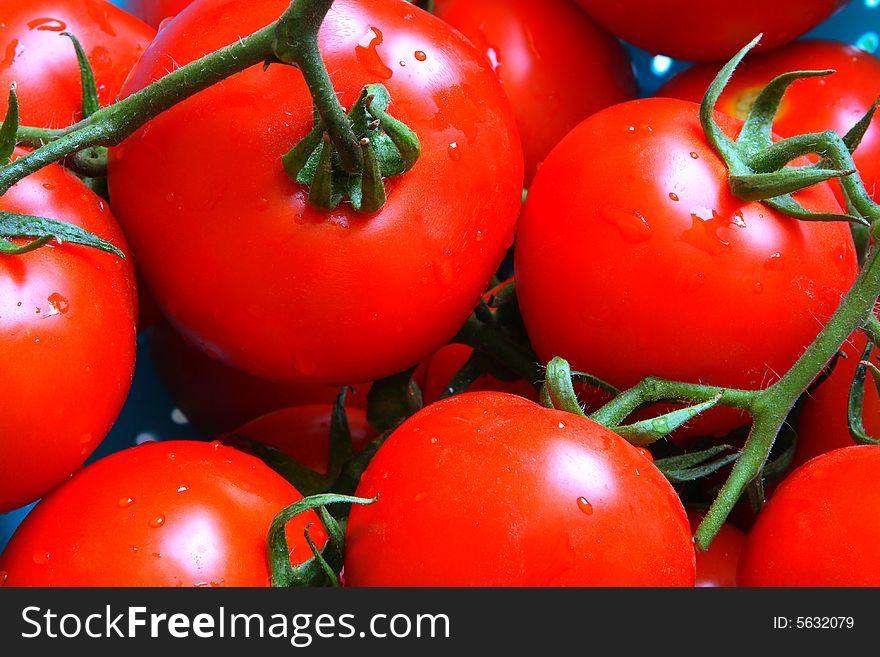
(324,567)
(44,230)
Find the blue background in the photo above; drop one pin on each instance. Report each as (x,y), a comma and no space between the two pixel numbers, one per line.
(149,411)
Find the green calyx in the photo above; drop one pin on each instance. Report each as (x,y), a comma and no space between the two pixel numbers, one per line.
(758,166)
(388,146)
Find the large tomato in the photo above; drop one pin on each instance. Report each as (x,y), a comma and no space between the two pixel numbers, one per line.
(43,62)
(556,65)
(709,30)
(834,102)
(177,513)
(490,489)
(67,339)
(242,264)
(648,265)
(821,527)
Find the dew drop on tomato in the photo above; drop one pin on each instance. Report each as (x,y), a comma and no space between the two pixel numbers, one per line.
(585,506)
(368,56)
(157,522)
(632,225)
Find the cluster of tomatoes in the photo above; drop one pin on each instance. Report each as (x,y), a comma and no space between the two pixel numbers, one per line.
(632,259)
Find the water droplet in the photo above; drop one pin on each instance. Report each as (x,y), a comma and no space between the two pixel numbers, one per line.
(479,236)
(694,156)
(673,196)
(216,445)
(145,437)
(47,24)
(644,452)
(13,50)
(494,59)
(453,153)
(182,489)
(585,506)
(48,186)
(738,219)
(158,521)
(133,548)
(703,233)
(42,557)
(561,425)
(3,577)
(758,288)
(368,56)
(774,262)
(420,55)
(125,501)
(402,63)
(633,226)
(59,303)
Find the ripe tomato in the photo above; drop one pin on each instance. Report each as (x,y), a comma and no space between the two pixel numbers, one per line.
(708,31)
(490,489)
(267,282)
(216,398)
(303,433)
(823,423)
(43,62)
(821,527)
(67,339)
(176,513)
(717,565)
(155,11)
(659,270)
(537,50)
(835,102)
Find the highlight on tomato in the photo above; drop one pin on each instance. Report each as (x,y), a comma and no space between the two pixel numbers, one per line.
(490,489)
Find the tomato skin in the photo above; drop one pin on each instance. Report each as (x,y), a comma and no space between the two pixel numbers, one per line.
(303,433)
(43,62)
(537,50)
(332,298)
(67,339)
(490,489)
(716,566)
(708,31)
(216,398)
(154,12)
(697,275)
(823,423)
(821,527)
(835,102)
(176,513)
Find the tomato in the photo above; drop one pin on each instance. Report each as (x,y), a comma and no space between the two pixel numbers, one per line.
(490,489)
(276,287)
(717,565)
(557,66)
(821,527)
(216,398)
(67,339)
(834,102)
(708,31)
(43,62)
(155,11)
(303,433)
(659,270)
(176,513)
(823,423)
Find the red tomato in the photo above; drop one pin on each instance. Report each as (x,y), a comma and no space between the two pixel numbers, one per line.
(821,527)
(303,433)
(665,272)
(835,102)
(823,424)
(708,31)
(490,489)
(276,287)
(216,398)
(717,565)
(67,339)
(556,65)
(155,11)
(43,62)
(176,513)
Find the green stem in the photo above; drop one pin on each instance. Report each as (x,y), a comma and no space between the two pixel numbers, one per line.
(772,406)
(296,42)
(871,328)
